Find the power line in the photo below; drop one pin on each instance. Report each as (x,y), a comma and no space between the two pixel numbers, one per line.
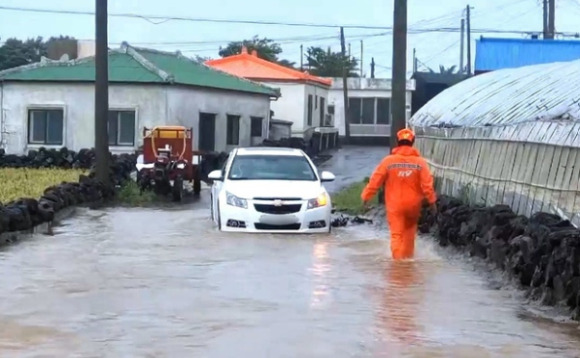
(455,43)
(259,22)
(280,41)
(192,19)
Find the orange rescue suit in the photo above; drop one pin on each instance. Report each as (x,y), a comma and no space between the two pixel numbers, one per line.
(407,180)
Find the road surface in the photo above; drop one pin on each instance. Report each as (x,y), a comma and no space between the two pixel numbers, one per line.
(164,283)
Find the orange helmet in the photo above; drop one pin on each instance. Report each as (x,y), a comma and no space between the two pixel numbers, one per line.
(405,134)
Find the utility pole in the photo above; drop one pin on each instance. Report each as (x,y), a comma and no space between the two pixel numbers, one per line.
(415,60)
(302,58)
(399,71)
(349,52)
(551,19)
(345,87)
(468,16)
(372,67)
(361,57)
(101,93)
(545,11)
(462,40)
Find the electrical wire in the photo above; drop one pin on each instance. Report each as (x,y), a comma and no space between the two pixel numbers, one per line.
(258,22)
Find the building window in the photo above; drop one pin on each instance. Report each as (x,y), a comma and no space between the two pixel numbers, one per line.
(46,126)
(309,118)
(315,102)
(233,133)
(322,107)
(369,110)
(121,128)
(383,110)
(354,110)
(256,126)
(330,109)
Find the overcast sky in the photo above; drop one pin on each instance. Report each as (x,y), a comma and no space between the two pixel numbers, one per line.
(204,39)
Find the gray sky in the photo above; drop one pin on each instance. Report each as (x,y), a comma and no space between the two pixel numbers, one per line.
(204,39)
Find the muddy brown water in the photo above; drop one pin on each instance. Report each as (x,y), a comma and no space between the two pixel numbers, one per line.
(164,283)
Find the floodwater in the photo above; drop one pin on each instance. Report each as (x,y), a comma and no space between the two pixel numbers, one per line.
(164,283)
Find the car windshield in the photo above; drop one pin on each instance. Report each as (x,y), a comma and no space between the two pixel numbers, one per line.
(271,167)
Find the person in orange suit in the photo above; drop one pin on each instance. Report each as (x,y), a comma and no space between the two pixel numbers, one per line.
(407,181)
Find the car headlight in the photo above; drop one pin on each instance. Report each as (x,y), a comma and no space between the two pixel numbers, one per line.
(181,166)
(233,200)
(320,201)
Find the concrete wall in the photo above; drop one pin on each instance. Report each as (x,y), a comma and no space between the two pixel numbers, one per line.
(316,92)
(293,105)
(279,131)
(184,106)
(154,105)
(290,106)
(336,98)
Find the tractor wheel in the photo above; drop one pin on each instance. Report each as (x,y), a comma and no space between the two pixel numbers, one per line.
(197,180)
(177,190)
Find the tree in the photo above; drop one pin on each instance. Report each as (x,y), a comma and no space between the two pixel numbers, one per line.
(328,63)
(445,71)
(14,52)
(266,48)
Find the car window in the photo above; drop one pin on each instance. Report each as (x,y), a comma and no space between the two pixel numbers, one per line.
(270,167)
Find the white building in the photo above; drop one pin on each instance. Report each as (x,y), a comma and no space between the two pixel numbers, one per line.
(304,97)
(370,108)
(51,104)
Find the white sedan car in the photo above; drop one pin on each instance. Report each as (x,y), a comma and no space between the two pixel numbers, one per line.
(270,189)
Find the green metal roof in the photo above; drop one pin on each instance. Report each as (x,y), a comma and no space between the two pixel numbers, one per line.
(137,65)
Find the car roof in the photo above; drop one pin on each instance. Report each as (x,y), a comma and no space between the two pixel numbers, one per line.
(269,151)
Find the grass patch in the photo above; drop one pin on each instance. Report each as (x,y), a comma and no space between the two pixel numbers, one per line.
(16,183)
(130,194)
(348,200)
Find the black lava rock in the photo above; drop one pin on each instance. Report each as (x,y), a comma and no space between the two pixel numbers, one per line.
(25,213)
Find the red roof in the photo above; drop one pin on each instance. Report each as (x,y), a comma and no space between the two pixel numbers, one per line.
(252,67)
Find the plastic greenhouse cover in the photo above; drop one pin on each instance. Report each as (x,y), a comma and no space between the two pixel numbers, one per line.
(539,103)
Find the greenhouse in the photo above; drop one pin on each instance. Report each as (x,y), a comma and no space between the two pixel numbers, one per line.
(508,137)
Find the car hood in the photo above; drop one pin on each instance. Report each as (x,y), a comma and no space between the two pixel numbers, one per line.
(249,189)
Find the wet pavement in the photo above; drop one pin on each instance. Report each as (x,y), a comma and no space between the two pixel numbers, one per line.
(164,283)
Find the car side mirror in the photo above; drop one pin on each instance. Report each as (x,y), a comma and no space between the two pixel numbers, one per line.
(216,175)
(326,176)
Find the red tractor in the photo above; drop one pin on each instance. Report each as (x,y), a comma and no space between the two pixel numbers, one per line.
(168,160)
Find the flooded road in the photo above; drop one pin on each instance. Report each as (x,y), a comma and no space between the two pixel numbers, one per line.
(164,283)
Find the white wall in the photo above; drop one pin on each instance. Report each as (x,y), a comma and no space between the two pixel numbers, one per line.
(185,104)
(279,131)
(316,92)
(77,101)
(290,106)
(154,105)
(293,105)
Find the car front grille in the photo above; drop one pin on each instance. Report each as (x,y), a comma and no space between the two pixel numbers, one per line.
(272,198)
(260,226)
(278,210)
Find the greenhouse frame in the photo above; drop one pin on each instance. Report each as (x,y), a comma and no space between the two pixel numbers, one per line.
(509,136)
